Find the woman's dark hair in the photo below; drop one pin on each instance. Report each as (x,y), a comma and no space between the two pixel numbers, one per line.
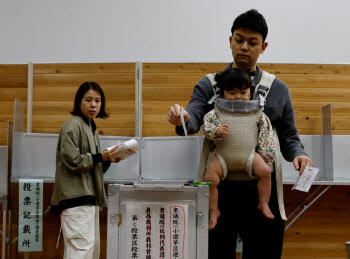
(232,78)
(80,94)
(251,20)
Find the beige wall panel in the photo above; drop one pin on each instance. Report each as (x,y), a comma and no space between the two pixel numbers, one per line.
(170,80)
(8,94)
(75,80)
(3,136)
(54,121)
(13,80)
(65,107)
(315,108)
(68,93)
(84,68)
(183,67)
(7,107)
(13,84)
(101,131)
(161,107)
(320,95)
(312,86)
(13,69)
(278,68)
(55,86)
(315,80)
(166,94)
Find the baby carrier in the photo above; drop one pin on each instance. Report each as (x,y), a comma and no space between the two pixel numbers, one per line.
(236,151)
(260,93)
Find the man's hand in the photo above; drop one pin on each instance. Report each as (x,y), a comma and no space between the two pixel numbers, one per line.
(174,115)
(300,162)
(222,130)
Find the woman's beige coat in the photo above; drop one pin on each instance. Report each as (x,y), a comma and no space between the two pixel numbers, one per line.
(77,179)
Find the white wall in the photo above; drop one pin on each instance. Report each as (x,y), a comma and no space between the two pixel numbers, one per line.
(301,31)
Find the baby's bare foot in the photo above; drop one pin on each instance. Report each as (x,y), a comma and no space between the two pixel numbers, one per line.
(264,208)
(214,215)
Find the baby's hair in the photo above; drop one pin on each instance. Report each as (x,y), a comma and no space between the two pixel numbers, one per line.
(232,78)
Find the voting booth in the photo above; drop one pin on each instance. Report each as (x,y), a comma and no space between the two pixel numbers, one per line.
(154,210)
(160,214)
(328,152)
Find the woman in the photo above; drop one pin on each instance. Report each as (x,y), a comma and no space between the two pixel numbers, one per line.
(79,188)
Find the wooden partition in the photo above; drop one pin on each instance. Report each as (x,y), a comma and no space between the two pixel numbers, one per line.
(13,84)
(163,85)
(54,90)
(311,87)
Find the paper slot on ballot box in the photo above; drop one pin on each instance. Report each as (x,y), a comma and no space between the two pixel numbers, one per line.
(126,148)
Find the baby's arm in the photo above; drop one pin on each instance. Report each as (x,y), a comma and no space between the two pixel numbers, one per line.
(222,130)
(267,140)
(213,129)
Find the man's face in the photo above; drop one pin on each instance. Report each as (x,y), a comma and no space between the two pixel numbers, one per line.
(246,48)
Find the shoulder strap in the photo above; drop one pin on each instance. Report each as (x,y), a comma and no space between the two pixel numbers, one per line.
(211,77)
(263,87)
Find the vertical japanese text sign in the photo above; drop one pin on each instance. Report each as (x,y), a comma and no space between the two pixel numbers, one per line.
(158,230)
(30,220)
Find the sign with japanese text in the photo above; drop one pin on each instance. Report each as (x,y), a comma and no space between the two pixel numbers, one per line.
(157,230)
(30,218)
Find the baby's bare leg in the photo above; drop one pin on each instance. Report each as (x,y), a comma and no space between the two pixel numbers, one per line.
(214,174)
(263,172)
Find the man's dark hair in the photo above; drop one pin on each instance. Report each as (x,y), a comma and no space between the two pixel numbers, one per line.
(80,94)
(232,78)
(251,20)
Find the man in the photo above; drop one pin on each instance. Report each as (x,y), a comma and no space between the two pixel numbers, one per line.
(262,237)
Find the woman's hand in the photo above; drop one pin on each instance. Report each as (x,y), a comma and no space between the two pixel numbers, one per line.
(107,155)
(117,160)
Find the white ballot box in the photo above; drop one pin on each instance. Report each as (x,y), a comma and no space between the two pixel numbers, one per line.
(157,221)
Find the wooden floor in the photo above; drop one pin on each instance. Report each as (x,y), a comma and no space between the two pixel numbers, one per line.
(320,232)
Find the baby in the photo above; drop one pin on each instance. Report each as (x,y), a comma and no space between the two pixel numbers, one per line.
(235,85)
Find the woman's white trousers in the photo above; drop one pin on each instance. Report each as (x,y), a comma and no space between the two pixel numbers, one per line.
(81,232)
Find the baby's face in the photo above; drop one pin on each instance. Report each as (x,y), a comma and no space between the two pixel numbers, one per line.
(236,94)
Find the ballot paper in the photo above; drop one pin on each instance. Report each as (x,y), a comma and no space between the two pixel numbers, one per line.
(126,148)
(305,180)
